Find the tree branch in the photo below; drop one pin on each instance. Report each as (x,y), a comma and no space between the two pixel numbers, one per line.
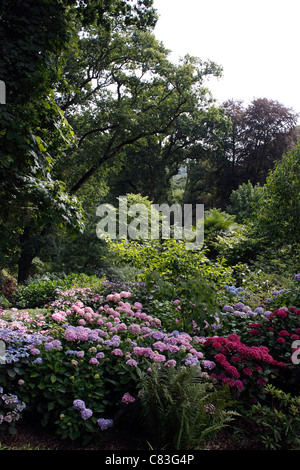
(99,129)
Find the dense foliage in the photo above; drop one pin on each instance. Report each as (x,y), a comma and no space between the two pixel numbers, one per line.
(141,335)
(96,358)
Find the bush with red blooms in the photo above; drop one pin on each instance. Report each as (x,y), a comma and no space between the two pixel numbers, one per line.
(279,332)
(246,369)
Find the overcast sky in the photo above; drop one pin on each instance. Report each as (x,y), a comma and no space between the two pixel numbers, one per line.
(256,42)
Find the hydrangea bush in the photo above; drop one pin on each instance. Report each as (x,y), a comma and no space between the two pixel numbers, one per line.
(247,369)
(77,364)
(93,355)
(10,411)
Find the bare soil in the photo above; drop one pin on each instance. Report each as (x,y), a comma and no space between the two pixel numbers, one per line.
(32,436)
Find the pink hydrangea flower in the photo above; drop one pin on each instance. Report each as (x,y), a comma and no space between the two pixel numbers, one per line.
(117,352)
(93,361)
(127,398)
(59,316)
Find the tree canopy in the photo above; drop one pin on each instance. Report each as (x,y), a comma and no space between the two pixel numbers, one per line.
(259,135)
(95,108)
(86,83)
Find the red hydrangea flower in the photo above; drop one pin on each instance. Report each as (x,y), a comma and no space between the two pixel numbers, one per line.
(236,359)
(255,325)
(254,332)
(262,381)
(234,337)
(220,358)
(232,371)
(283,333)
(281,313)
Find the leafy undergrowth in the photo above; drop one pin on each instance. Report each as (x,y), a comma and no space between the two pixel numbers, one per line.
(242,435)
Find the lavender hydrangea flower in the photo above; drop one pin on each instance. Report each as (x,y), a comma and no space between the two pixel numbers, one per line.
(228,308)
(86,413)
(105,423)
(259,310)
(78,404)
(115,341)
(191,360)
(127,398)
(208,364)
(132,362)
(239,306)
(297,277)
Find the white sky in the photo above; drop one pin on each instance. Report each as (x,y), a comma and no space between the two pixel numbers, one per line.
(257,42)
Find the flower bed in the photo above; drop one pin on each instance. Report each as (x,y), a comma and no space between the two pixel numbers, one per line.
(77,364)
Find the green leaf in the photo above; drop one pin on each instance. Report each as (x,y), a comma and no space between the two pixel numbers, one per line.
(53,378)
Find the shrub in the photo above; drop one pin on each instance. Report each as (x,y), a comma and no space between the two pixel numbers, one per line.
(247,369)
(172,272)
(279,332)
(19,339)
(10,411)
(243,200)
(279,420)
(216,224)
(277,216)
(43,291)
(94,355)
(286,297)
(92,347)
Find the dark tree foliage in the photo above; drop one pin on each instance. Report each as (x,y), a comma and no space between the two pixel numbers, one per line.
(260,134)
(35,37)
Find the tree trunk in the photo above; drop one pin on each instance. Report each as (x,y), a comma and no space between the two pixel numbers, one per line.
(26,256)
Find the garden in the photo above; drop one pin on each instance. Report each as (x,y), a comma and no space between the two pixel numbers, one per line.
(174,359)
(139,342)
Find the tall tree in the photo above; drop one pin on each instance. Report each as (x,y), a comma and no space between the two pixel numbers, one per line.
(277,214)
(148,167)
(127,91)
(34,39)
(260,134)
(269,130)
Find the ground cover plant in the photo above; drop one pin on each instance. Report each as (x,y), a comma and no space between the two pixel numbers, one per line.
(84,364)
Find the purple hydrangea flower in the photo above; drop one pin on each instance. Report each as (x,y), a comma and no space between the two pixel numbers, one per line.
(78,404)
(86,413)
(115,341)
(208,364)
(239,306)
(190,360)
(105,423)
(38,360)
(228,308)
(259,310)
(132,362)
